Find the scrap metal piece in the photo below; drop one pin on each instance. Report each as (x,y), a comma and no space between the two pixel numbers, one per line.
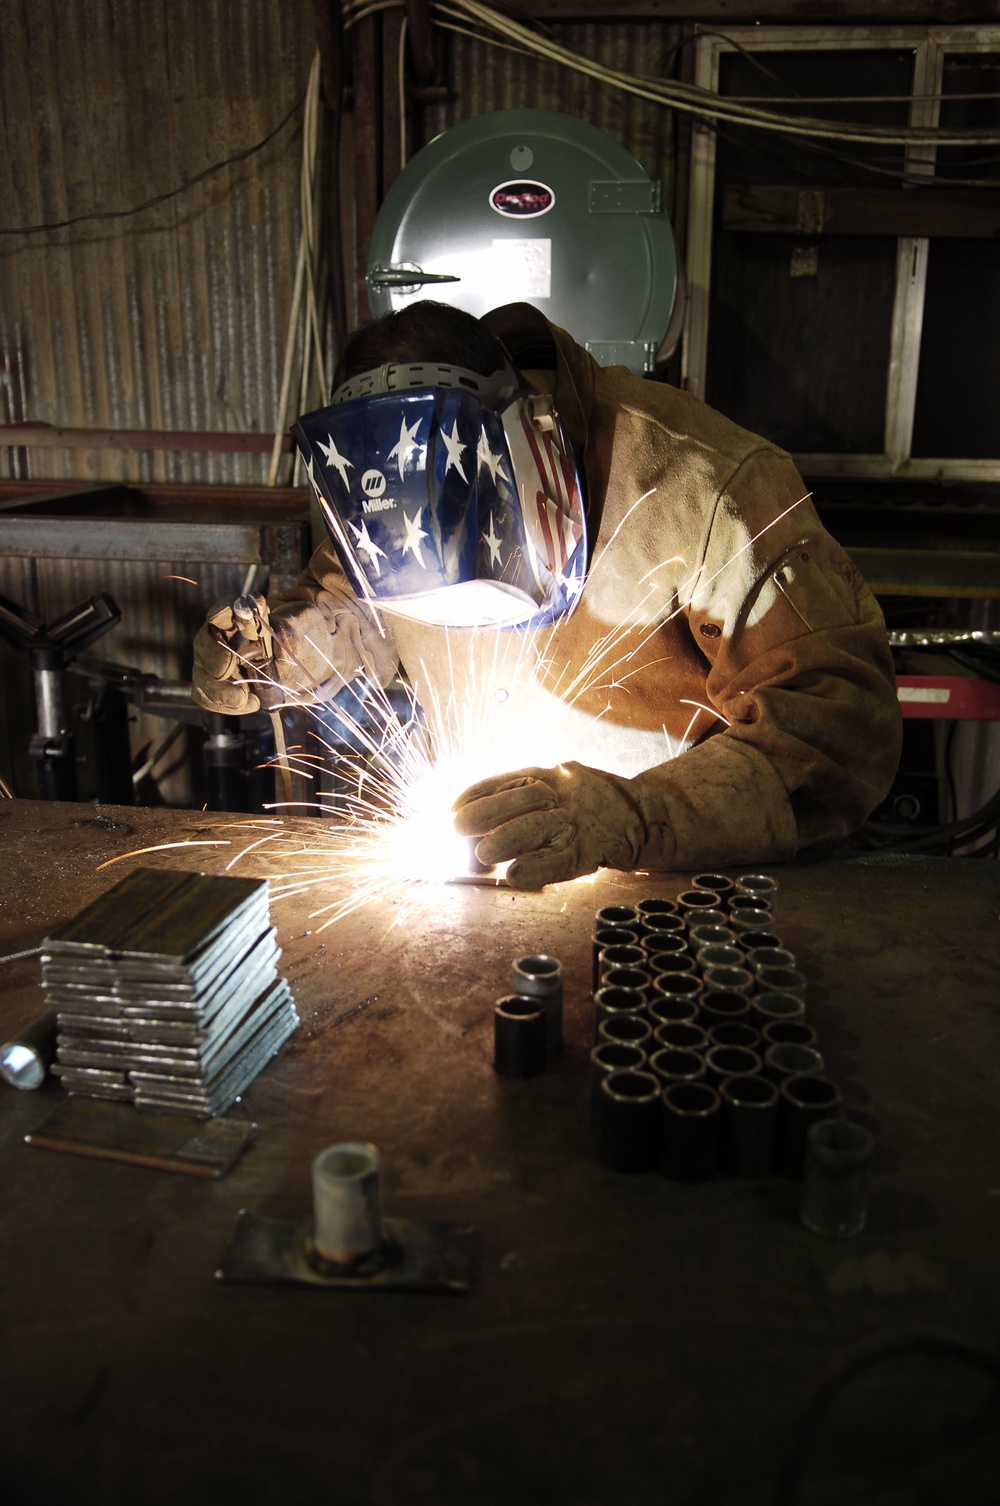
(14,948)
(414,1257)
(165,1142)
(26,1059)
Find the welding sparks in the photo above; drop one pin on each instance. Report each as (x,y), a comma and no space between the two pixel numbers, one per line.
(508,701)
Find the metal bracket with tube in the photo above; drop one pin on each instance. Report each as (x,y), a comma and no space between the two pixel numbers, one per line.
(348,1245)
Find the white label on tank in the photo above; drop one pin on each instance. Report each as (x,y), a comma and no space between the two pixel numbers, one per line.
(523,269)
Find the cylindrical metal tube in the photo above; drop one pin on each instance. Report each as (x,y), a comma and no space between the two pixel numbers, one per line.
(518,1036)
(626,1029)
(653,908)
(628,977)
(760,957)
(673,1064)
(718,955)
(693,901)
(748,905)
(838,1160)
(760,886)
(794,1032)
(676,986)
(708,918)
(782,980)
(704,935)
(717,883)
(682,1034)
(608,1057)
(758,921)
(347,1206)
(787,1060)
(769,1007)
(689,1131)
(664,944)
(50,701)
(612,1001)
(628,1120)
(717,1005)
(664,1010)
(540,977)
(606,936)
(751,940)
(617,915)
(804,1100)
(722,1062)
(671,962)
(735,980)
(749,1115)
(735,1033)
(26,1059)
(620,956)
(662,925)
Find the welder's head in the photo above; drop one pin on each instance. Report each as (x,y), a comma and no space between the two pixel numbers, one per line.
(448,485)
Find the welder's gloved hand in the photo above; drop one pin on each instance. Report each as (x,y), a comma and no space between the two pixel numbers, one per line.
(555,823)
(218,673)
(315,644)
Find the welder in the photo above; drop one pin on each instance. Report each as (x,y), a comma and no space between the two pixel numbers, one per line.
(711,669)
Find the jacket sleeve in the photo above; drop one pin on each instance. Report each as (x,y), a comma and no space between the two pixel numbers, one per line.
(799,669)
(345,638)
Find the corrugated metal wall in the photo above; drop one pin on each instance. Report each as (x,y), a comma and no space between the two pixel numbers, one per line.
(488,77)
(173,316)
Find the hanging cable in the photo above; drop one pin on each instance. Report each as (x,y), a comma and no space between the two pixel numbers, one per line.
(306,271)
(688,98)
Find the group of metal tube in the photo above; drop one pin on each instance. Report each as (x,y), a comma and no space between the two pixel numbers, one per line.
(704,1059)
(528,1022)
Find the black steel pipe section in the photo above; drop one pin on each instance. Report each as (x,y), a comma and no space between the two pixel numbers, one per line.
(690,1122)
(683,1034)
(605,936)
(736,1033)
(540,978)
(518,1037)
(674,1064)
(804,1100)
(607,1057)
(628,1120)
(722,1062)
(612,1001)
(626,1029)
(749,1122)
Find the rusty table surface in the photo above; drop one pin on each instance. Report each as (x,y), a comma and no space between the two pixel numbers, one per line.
(625,1336)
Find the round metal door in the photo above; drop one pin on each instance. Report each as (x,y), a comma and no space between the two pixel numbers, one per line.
(533,206)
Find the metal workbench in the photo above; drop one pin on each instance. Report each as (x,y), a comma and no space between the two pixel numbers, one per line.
(626,1337)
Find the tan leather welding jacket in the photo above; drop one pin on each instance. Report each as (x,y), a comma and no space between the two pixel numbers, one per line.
(725,653)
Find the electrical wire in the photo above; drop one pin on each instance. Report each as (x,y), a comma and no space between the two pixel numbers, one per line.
(161,198)
(788,1485)
(705,103)
(306,273)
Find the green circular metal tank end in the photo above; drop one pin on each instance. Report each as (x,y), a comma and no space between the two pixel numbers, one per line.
(533,206)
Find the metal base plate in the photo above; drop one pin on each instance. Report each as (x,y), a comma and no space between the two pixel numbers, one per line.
(166,1142)
(418,1257)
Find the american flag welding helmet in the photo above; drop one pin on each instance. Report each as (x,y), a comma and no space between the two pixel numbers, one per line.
(450,497)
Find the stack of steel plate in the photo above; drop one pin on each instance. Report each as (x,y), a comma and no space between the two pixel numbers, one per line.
(167,993)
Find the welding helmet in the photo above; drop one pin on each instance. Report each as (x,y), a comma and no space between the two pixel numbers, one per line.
(450,497)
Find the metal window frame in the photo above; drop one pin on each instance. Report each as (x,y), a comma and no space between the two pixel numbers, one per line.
(931,45)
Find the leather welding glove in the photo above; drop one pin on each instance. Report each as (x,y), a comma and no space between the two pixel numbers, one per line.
(217,675)
(555,823)
(320,642)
